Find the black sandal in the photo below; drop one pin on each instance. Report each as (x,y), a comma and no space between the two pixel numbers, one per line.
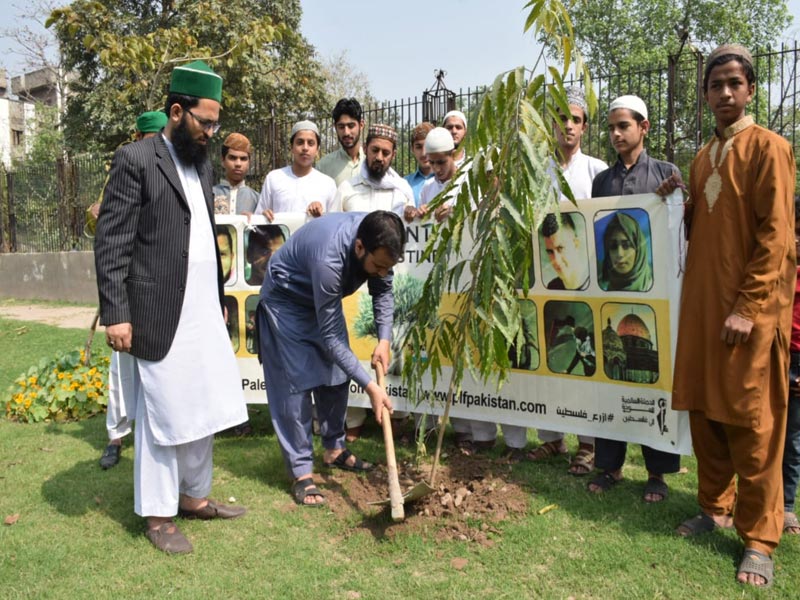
(302,488)
(340,462)
(605,481)
(657,487)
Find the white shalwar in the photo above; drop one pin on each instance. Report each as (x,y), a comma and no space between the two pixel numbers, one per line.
(195,390)
(121,408)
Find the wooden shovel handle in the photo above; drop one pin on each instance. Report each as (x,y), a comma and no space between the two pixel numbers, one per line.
(395,495)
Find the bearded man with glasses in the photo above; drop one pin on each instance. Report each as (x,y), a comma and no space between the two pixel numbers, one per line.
(159,279)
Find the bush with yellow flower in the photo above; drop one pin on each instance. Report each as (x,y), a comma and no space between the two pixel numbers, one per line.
(62,388)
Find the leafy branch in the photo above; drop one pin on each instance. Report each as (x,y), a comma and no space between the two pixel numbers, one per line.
(481,257)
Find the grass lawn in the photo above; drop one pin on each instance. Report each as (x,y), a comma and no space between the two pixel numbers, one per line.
(77,536)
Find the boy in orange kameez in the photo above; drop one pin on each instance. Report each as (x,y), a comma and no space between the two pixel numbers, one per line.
(735,321)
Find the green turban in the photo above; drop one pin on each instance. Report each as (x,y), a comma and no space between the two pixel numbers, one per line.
(151,122)
(198,80)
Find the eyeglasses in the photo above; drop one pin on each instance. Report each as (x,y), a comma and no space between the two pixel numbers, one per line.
(206,124)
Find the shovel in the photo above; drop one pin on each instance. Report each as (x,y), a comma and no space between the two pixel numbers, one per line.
(423,488)
(395,497)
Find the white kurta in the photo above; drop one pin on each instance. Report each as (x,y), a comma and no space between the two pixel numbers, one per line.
(285,192)
(361,194)
(195,390)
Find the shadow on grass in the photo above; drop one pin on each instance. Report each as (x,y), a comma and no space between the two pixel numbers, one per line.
(91,431)
(258,457)
(379,523)
(622,507)
(85,488)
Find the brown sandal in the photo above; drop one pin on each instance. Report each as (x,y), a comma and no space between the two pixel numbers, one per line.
(582,463)
(548,449)
(791,526)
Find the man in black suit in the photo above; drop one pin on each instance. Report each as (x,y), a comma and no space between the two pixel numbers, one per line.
(159,279)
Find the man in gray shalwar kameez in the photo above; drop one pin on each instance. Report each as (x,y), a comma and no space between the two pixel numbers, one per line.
(304,345)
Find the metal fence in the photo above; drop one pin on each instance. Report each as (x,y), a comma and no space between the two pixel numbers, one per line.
(42,206)
(271,139)
(680,120)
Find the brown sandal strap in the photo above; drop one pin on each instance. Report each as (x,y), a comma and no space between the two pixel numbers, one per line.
(547,450)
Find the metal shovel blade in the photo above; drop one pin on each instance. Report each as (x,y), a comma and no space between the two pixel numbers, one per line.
(417,492)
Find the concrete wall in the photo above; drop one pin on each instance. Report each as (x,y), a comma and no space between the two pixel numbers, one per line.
(65,276)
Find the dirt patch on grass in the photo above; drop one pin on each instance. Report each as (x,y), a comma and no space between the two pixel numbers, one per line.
(472,494)
(68,317)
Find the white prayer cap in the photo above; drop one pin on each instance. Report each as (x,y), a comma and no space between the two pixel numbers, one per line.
(304,126)
(438,140)
(456,113)
(633,103)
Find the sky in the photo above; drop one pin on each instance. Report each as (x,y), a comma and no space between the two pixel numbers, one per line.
(398,46)
(472,40)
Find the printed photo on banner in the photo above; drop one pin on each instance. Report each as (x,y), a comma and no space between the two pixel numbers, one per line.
(563,251)
(630,347)
(226,238)
(260,243)
(624,250)
(570,343)
(526,356)
(250,331)
(407,292)
(597,328)
(232,321)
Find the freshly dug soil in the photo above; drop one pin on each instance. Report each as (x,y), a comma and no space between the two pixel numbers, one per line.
(472,494)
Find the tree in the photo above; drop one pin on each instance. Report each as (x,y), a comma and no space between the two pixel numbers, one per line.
(123,52)
(37,47)
(653,49)
(46,144)
(484,251)
(345,80)
(625,35)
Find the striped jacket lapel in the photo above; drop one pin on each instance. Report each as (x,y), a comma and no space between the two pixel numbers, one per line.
(167,167)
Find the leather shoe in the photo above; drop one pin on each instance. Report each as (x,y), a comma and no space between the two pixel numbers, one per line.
(168,538)
(213,510)
(110,456)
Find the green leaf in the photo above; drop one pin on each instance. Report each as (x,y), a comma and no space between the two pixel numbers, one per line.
(533,16)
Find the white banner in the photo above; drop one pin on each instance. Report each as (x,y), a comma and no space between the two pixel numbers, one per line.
(600,320)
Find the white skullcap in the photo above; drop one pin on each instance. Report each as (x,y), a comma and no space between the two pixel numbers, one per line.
(456,113)
(304,126)
(633,103)
(438,140)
